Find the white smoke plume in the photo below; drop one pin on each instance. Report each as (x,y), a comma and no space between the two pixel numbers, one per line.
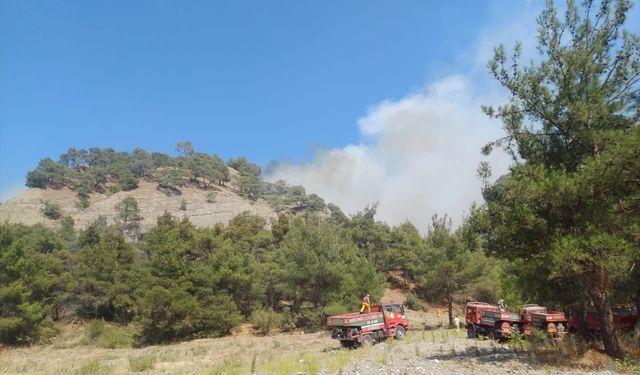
(418,157)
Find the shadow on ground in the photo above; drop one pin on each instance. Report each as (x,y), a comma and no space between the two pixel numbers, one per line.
(483,355)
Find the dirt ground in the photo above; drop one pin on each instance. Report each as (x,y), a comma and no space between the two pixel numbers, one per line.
(440,351)
(445,351)
(432,351)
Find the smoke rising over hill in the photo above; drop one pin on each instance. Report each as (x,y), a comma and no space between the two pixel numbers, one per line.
(418,156)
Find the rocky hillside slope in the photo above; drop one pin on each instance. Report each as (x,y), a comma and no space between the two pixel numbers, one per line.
(27,208)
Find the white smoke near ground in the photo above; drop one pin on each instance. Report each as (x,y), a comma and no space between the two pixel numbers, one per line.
(419,157)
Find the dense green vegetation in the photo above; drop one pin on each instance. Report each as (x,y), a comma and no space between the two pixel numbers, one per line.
(569,211)
(179,281)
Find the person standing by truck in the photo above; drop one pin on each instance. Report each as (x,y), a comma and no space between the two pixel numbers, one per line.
(503,306)
(366,304)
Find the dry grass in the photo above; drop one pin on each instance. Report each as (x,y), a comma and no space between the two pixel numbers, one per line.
(95,367)
(142,363)
(577,353)
(75,352)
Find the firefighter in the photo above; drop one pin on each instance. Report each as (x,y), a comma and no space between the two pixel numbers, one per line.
(366,304)
(456,322)
(502,306)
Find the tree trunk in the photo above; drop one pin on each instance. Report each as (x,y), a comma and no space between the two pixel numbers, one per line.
(582,322)
(599,296)
(638,305)
(450,308)
(600,300)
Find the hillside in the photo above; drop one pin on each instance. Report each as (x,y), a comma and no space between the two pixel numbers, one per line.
(86,184)
(27,208)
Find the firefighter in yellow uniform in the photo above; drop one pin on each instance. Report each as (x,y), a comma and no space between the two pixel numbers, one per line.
(365,304)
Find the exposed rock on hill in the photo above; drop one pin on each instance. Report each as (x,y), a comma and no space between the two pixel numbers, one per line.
(27,208)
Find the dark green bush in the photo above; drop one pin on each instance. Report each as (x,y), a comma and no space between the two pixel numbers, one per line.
(413,302)
(174,314)
(83,201)
(52,210)
(22,321)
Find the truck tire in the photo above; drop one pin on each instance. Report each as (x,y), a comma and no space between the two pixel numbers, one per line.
(400,331)
(492,335)
(471,332)
(367,340)
(346,344)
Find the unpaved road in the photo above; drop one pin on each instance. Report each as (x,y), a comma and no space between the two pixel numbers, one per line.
(448,352)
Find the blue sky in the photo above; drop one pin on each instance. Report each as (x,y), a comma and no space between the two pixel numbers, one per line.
(270,80)
(314,85)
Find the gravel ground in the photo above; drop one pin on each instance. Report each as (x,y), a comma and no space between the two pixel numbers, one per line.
(448,352)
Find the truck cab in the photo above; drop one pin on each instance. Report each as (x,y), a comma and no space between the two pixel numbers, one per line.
(395,316)
(474,311)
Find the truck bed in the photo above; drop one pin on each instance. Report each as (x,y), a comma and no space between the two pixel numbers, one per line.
(550,317)
(355,319)
(494,316)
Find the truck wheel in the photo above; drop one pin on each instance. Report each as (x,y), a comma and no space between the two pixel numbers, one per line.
(367,340)
(471,332)
(346,344)
(400,332)
(379,335)
(492,335)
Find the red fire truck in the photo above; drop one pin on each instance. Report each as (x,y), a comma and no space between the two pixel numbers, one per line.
(488,320)
(624,318)
(356,329)
(553,323)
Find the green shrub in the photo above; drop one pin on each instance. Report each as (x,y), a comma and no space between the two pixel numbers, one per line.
(83,201)
(288,322)
(336,309)
(109,336)
(174,313)
(266,320)
(112,189)
(52,210)
(21,321)
(183,205)
(413,302)
(143,363)
(311,320)
(629,364)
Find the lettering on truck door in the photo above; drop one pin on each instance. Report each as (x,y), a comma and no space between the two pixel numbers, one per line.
(397,313)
